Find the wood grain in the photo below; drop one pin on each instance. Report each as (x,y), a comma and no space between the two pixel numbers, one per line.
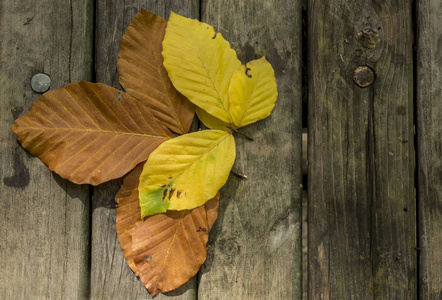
(254,248)
(361,157)
(111,277)
(44,223)
(429,147)
(361,206)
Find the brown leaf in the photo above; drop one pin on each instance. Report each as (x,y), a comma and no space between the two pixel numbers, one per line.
(170,248)
(89,133)
(128,213)
(184,232)
(143,76)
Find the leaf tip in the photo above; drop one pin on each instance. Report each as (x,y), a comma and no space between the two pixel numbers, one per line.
(13,127)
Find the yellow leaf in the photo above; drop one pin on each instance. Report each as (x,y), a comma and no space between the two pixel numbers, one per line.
(200,64)
(185,172)
(211,122)
(252,92)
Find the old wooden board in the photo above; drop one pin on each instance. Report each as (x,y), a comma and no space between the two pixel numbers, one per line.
(429,147)
(361,156)
(44,223)
(254,249)
(111,278)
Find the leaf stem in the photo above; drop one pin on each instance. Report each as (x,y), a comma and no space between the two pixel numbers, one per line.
(242,133)
(240,175)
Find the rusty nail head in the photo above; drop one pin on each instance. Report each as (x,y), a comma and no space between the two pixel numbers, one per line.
(40,82)
(364,76)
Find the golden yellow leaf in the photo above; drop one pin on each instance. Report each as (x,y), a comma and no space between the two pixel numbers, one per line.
(211,122)
(200,64)
(89,133)
(185,172)
(253,92)
(143,76)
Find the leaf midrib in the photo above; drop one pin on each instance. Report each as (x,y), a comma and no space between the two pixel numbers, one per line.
(197,159)
(101,131)
(249,99)
(157,65)
(213,84)
(172,242)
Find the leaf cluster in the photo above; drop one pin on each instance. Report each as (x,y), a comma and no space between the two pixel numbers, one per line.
(91,133)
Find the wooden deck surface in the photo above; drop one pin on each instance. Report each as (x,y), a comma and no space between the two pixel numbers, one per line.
(362,216)
(44,223)
(374,154)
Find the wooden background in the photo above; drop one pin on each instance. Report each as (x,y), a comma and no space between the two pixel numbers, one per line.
(374,204)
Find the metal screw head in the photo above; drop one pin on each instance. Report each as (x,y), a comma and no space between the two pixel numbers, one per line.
(40,82)
(364,76)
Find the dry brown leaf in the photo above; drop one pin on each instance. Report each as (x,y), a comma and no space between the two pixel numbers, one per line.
(89,133)
(212,211)
(170,248)
(143,76)
(128,214)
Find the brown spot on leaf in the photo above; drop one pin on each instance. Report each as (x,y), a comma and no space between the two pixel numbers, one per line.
(201,230)
(165,192)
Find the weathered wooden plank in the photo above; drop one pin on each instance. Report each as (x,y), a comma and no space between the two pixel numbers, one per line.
(361,156)
(111,278)
(254,250)
(429,147)
(44,223)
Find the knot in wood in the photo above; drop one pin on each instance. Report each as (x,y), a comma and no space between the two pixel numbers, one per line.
(364,76)
(368,39)
(230,248)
